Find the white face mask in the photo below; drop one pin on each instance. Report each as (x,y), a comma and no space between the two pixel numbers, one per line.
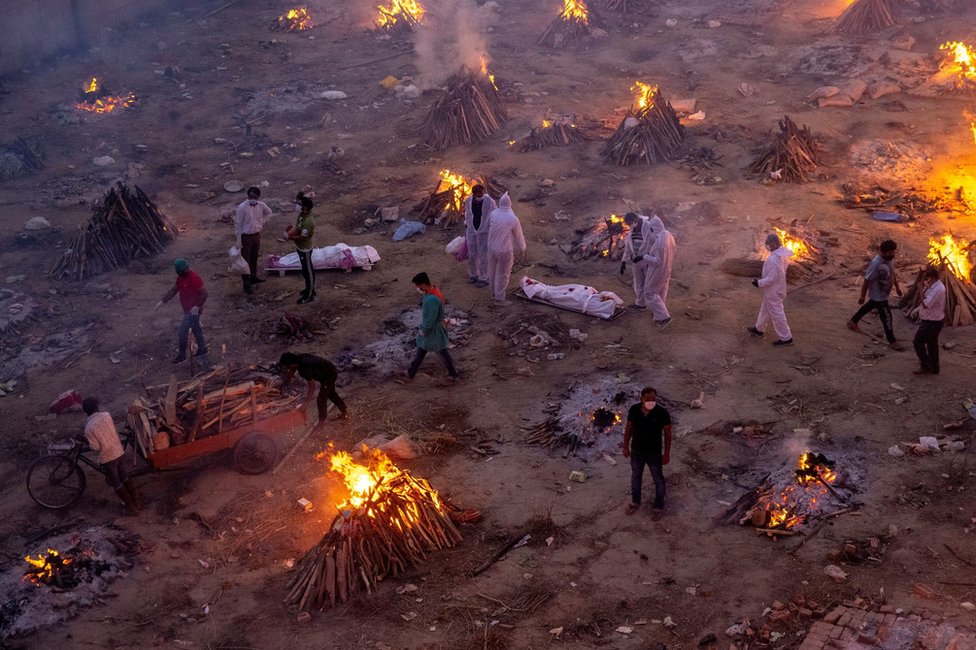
(420,291)
(650,405)
(479,199)
(298,208)
(253,202)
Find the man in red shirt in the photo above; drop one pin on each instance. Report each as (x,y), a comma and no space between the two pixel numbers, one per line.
(192,297)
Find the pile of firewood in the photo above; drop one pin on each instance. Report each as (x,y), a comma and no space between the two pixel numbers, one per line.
(569,28)
(396,19)
(550,434)
(469,111)
(960,306)
(791,156)
(558,131)
(401,522)
(648,135)
(909,202)
(208,405)
(20,157)
(604,240)
(124,226)
(864,17)
(445,204)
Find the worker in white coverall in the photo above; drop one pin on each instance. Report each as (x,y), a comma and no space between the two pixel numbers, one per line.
(660,260)
(504,234)
(773,285)
(477,215)
(637,250)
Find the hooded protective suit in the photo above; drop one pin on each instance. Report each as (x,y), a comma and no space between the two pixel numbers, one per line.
(504,234)
(660,261)
(773,285)
(638,243)
(477,238)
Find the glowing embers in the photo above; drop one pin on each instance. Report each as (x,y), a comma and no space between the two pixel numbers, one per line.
(63,570)
(802,249)
(400,15)
(94,98)
(953,254)
(649,133)
(298,19)
(445,204)
(603,240)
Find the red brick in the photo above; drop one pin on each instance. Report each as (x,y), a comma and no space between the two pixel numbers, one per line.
(890,618)
(887,609)
(836,632)
(777,606)
(924,591)
(844,620)
(834,615)
(776,617)
(805,613)
(883,632)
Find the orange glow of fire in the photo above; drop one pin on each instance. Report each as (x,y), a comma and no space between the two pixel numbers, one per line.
(410,11)
(953,253)
(546,124)
(298,19)
(91,86)
(371,485)
(790,507)
(806,462)
(961,55)
(42,568)
(457,183)
(575,11)
(800,249)
(484,71)
(105,104)
(644,95)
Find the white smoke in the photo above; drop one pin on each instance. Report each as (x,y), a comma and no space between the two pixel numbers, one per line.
(451,37)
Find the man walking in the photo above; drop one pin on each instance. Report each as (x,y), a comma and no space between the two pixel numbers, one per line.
(102,436)
(931,318)
(647,441)
(637,249)
(433,334)
(504,234)
(314,369)
(193,295)
(773,285)
(249,220)
(301,234)
(660,261)
(477,215)
(879,278)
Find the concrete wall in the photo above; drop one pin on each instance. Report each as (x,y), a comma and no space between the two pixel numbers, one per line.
(32,31)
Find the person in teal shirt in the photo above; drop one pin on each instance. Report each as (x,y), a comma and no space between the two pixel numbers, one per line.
(433,334)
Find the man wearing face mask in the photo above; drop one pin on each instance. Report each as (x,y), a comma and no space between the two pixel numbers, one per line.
(647,441)
(477,214)
(249,220)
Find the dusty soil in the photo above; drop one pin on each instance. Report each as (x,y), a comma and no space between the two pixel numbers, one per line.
(602,569)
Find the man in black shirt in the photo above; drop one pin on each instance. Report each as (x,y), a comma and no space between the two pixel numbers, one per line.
(314,369)
(647,441)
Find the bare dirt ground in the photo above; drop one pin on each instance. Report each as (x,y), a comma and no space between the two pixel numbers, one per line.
(602,569)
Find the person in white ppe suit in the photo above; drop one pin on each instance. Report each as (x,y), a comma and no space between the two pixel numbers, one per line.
(637,250)
(659,261)
(504,235)
(477,215)
(773,285)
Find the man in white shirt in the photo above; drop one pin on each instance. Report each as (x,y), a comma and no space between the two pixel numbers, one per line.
(249,220)
(102,437)
(504,234)
(931,319)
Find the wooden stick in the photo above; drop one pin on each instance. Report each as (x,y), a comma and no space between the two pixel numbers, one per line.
(500,553)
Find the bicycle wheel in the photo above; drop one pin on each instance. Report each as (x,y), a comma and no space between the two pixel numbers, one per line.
(255,453)
(55,482)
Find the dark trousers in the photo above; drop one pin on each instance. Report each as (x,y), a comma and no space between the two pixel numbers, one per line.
(884,313)
(191,323)
(419,357)
(250,246)
(116,473)
(308,273)
(328,392)
(927,344)
(653,462)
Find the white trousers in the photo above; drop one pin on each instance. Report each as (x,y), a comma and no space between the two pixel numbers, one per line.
(772,309)
(655,301)
(477,255)
(499,272)
(641,276)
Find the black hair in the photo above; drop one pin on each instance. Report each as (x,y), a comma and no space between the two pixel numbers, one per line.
(631,217)
(477,187)
(421,278)
(305,202)
(648,389)
(288,359)
(930,272)
(888,245)
(255,190)
(89,405)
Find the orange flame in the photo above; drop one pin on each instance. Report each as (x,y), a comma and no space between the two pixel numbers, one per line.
(644,95)
(575,11)
(410,11)
(298,19)
(791,506)
(42,566)
(371,484)
(484,71)
(105,104)
(91,86)
(962,55)
(458,184)
(953,253)
(801,250)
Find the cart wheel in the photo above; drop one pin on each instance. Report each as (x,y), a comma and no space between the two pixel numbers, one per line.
(255,453)
(55,482)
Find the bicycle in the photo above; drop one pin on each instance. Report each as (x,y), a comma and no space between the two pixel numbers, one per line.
(57,480)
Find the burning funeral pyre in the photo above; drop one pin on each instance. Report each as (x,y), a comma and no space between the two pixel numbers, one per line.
(570,27)
(649,133)
(445,204)
(792,155)
(552,131)
(298,19)
(469,111)
(603,240)
(957,71)
(400,16)
(865,17)
(953,258)
(94,98)
(807,244)
(785,500)
(124,226)
(391,521)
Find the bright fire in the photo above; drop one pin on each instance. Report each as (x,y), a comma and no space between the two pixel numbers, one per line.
(485,71)
(457,183)
(954,253)
(375,486)
(644,95)
(91,86)
(103,104)
(296,20)
(800,249)
(42,567)
(409,11)
(576,11)
(546,124)
(796,501)
(963,56)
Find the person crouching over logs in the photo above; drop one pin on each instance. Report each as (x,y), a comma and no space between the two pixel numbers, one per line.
(102,436)
(314,369)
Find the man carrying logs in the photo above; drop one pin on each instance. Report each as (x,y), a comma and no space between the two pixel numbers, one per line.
(504,234)
(314,369)
(477,213)
(249,220)
(931,318)
(193,295)
(647,441)
(637,249)
(879,278)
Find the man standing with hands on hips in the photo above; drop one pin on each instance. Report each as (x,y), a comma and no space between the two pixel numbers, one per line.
(647,441)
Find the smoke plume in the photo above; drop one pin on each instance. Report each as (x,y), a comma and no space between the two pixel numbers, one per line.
(450,38)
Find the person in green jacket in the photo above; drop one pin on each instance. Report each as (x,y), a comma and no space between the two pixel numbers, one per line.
(301,234)
(433,334)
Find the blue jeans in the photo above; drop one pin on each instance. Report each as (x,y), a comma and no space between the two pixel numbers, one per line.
(653,462)
(191,323)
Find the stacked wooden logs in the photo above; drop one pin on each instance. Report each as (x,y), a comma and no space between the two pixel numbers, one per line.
(792,155)
(605,240)
(401,521)
(445,204)
(648,135)
(559,131)
(550,434)
(865,17)
(960,307)
(469,111)
(123,227)
(396,20)
(569,28)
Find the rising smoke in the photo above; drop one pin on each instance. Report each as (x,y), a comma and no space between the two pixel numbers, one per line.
(452,37)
